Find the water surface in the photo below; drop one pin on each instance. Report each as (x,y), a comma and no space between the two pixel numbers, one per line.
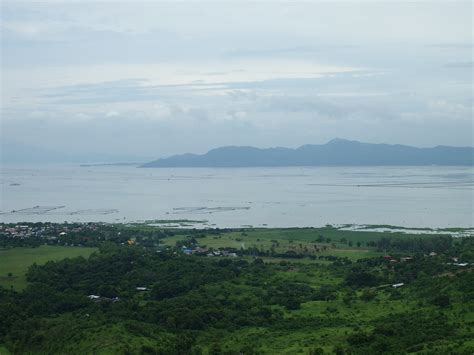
(226,197)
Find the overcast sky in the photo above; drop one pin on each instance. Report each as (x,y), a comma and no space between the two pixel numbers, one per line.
(152,79)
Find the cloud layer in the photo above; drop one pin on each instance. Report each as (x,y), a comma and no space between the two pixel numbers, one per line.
(157,79)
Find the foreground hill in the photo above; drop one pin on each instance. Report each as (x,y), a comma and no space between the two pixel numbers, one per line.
(248,291)
(337,152)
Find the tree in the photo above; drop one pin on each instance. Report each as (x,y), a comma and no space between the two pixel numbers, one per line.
(360,278)
(442,301)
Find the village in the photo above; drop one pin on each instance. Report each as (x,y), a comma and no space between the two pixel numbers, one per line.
(48,231)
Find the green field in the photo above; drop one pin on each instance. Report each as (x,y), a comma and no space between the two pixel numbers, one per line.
(350,244)
(17,260)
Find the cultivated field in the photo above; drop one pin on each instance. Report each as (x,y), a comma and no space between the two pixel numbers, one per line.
(17,260)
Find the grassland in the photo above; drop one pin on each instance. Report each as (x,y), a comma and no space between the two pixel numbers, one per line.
(328,241)
(17,260)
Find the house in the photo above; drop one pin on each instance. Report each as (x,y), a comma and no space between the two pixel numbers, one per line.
(433,253)
(398,285)
(406,259)
(141,288)
(96,298)
(200,250)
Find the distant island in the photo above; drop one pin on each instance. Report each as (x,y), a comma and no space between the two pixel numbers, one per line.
(337,152)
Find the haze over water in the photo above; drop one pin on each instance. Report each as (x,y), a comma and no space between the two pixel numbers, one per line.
(280,197)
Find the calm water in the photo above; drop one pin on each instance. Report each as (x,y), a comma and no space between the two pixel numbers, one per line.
(405,196)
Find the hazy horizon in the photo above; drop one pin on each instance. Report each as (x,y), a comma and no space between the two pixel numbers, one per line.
(24,154)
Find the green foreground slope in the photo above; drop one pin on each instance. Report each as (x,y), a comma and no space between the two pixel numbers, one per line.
(288,292)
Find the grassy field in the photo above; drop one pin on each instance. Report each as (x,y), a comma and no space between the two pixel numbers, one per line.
(312,234)
(328,241)
(17,260)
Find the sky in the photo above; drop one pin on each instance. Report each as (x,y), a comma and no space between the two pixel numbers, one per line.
(125,80)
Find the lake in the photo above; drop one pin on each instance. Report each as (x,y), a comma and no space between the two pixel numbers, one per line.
(234,197)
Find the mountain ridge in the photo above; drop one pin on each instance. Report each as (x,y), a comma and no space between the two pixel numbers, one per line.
(337,152)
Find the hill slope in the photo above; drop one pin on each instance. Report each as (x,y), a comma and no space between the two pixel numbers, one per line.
(336,152)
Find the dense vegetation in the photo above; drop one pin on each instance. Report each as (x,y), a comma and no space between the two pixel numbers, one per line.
(153,299)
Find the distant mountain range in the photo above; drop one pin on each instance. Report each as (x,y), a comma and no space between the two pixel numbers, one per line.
(337,152)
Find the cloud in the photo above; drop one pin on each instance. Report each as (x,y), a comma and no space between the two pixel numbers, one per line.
(157,78)
(112,114)
(468,65)
(458,45)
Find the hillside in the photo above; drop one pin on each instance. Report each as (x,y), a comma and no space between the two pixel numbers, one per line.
(337,152)
(237,291)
